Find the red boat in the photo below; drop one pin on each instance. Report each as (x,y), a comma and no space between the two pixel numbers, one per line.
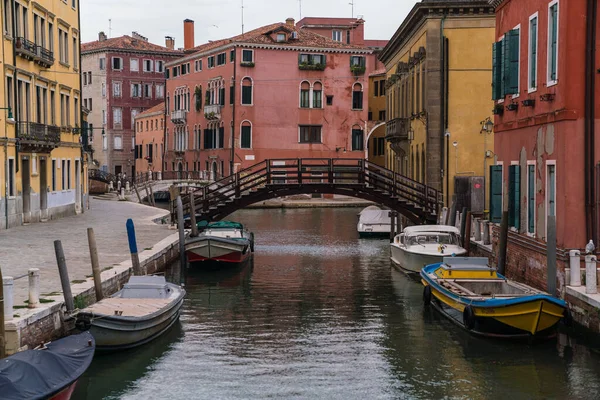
(222,242)
(49,372)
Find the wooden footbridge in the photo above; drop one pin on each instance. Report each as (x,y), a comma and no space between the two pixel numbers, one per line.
(284,177)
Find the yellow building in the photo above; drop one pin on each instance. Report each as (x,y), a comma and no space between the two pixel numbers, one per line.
(438,67)
(376,138)
(42,172)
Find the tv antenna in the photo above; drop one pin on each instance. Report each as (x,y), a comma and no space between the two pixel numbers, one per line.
(352,4)
(242,17)
(300,2)
(109,27)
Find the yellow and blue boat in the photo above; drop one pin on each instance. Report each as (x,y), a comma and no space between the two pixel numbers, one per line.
(475,296)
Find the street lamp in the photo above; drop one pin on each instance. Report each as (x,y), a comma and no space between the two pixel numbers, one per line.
(10,114)
(487,126)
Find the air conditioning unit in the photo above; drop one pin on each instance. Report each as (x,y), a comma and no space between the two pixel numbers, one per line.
(470,193)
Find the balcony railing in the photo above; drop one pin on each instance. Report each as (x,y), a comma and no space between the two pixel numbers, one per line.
(32,136)
(25,48)
(398,129)
(44,57)
(179,117)
(212,111)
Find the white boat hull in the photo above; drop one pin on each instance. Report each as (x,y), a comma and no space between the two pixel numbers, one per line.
(217,249)
(413,262)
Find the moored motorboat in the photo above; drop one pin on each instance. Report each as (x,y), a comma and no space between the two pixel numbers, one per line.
(48,372)
(373,222)
(418,246)
(222,242)
(144,309)
(472,294)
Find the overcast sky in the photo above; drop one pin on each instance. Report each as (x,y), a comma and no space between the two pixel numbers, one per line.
(216,19)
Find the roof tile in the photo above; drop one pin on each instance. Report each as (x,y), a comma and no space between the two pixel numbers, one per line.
(126,43)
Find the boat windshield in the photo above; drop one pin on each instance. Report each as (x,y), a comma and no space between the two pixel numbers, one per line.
(433,238)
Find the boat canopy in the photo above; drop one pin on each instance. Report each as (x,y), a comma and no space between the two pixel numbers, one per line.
(40,374)
(374,216)
(419,229)
(225,225)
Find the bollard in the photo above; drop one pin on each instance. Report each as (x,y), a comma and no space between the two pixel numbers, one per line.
(64,275)
(8,286)
(159,176)
(119,186)
(111,187)
(135,259)
(457,220)
(95,264)
(149,175)
(122,193)
(34,287)
(477,230)
(127,187)
(486,233)
(444,216)
(575,265)
(591,286)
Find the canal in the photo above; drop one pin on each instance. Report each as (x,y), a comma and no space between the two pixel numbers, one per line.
(322,314)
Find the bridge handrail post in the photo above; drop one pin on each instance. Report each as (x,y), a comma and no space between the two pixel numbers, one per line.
(237,184)
(268,167)
(330,172)
(361,173)
(300,171)
(204,199)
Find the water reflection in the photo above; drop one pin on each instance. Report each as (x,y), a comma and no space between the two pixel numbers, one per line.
(321,314)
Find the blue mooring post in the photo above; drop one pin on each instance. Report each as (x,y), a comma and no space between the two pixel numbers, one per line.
(135,259)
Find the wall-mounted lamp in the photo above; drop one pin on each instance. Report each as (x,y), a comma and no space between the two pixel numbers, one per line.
(340,148)
(487,125)
(10,114)
(455,144)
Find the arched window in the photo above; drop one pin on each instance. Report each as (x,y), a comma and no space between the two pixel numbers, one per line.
(198,98)
(168,103)
(151,125)
(198,136)
(357,138)
(246,135)
(305,95)
(221,136)
(357,97)
(156,124)
(317,95)
(186,138)
(247,91)
(146,125)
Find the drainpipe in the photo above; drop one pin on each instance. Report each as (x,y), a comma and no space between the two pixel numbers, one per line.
(589,142)
(232,155)
(81,166)
(17,113)
(443,98)
(5,154)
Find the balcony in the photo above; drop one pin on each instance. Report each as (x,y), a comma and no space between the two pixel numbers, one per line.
(397,130)
(179,117)
(26,48)
(44,57)
(212,111)
(37,138)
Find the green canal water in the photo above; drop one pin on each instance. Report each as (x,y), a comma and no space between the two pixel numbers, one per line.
(323,315)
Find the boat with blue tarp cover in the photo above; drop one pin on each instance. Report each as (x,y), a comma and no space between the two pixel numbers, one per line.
(475,296)
(220,243)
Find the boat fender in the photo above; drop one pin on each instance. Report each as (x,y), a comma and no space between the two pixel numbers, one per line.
(252,242)
(469,317)
(83,324)
(567,318)
(427,295)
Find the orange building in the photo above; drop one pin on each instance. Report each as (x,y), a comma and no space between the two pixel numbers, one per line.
(149,139)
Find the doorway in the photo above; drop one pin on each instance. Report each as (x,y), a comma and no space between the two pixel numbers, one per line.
(78,202)
(118,169)
(26,177)
(214,171)
(180,171)
(43,184)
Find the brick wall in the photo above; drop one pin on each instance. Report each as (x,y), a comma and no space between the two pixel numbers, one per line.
(584,313)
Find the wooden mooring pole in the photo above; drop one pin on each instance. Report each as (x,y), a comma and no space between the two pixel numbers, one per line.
(2,333)
(135,259)
(467,239)
(193,215)
(95,264)
(182,258)
(503,243)
(392,226)
(64,275)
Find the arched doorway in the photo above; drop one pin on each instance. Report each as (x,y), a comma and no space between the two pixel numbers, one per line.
(213,171)
(180,171)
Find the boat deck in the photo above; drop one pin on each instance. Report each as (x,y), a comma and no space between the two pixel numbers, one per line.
(127,307)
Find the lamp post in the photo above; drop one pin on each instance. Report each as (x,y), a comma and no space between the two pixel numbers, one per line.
(487,127)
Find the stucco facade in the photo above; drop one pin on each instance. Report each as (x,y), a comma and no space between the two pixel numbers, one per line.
(376,143)
(439,75)
(41,162)
(149,139)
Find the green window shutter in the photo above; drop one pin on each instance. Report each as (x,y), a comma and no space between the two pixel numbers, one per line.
(505,66)
(512,79)
(496,193)
(207,139)
(533,37)
(497,92)
(531,198)
(514,196)
(247,95)
(221,138)
(222,96)
(246,137)
(553,40)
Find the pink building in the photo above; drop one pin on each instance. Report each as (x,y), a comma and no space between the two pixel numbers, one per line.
(279,91)
(149,139)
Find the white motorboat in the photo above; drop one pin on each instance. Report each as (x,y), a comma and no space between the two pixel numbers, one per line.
(220,243)
(419,246)
(144,309)
(374,222)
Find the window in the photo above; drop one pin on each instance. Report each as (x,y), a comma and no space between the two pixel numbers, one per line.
(376,89)
(533,45)
(148,90)
(117,89)
(329,100)
(148,64)
(348,37)
(382,87)
(232,55)
(75,49)
(160,91)
(50,37)
(514,196)
(198,65)
(103,117)
(531,197)
(104,142)
(221,59)
(90,77)
(357,97)
(305,95)
(505,65)
(246,139)
(11,177)
(247,55)
(7,17)
(222,96)
(68,173)
(118,143)
(103,89)
(134,114)
(281,37)
(117,63)
(160,66)
(357,139)
(134,65)
(496,193)
(357,61)
(317,95)
(9,92)
(102,62)
(63,175)
(553,43)
(246,91)
(117,120)
(231,94)
(211,62)
(54,175)
(310,134)
(63,46)
(337,36)
(136,90)
(382,115)
(312,61)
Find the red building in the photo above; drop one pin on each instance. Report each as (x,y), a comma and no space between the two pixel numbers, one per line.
(121,77)
(547,100)
(279,91)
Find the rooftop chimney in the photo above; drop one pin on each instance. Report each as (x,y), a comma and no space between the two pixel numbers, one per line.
(136,35)
(188,34)
(290,22)
(101,36)
(170,42)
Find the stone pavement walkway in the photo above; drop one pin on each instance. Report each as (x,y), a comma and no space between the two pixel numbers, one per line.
(32,246)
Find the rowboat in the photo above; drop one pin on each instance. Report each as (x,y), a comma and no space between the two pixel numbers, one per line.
(475,296)
(145,308)
(373,222)
(418,246)
(222,242)
(50,371)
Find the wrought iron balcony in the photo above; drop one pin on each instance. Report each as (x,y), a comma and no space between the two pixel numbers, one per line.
(212,111)
(398,129)
(179,117)
(25,48)
(35,137)
(44,57)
